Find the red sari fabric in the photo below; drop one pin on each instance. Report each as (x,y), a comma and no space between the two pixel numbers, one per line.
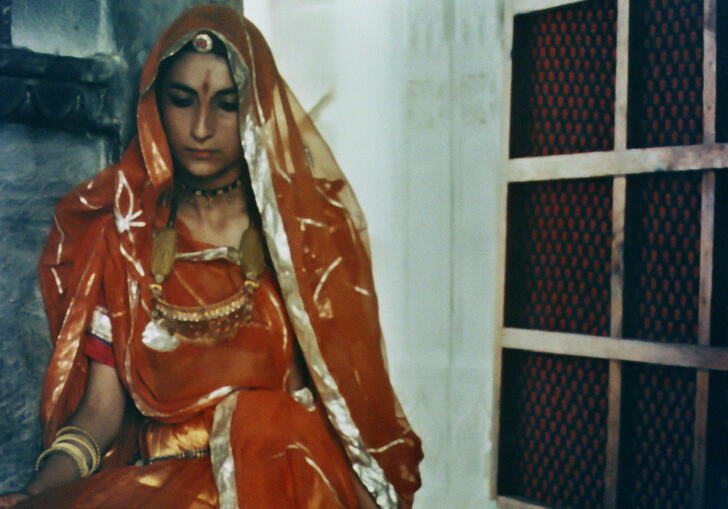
(285,454)
(320,294)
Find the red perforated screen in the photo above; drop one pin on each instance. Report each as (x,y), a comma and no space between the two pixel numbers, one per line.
(563,80)
(662,257)
(666,73)
(716,470)
(554,414)
(658,413)
(559,252)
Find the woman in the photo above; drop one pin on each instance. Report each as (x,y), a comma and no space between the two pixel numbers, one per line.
(212,306)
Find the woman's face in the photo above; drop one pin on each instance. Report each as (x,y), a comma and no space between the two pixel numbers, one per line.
(199,108)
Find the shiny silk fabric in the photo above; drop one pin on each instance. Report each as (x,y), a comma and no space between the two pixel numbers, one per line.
(316,236)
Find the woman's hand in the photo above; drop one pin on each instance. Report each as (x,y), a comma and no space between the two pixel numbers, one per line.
(9,500)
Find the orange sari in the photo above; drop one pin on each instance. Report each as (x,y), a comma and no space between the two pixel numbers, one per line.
(267,450)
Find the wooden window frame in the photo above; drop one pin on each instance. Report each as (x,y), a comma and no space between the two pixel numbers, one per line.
(616,164)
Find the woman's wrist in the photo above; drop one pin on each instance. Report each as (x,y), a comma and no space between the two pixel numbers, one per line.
(58,469)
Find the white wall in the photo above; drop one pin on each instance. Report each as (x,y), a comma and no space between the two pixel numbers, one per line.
(414,125)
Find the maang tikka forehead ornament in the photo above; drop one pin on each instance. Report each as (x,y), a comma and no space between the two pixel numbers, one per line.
(202,43)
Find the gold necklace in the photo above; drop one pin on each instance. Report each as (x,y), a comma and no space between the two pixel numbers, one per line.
(212,323)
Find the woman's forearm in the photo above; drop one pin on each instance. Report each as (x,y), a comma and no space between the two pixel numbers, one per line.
(99,414)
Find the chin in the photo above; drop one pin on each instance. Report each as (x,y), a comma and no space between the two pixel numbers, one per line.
(206,169)
(202,170)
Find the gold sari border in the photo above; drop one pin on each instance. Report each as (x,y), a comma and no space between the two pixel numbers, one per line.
(100,325)
(364,464)
(221,452)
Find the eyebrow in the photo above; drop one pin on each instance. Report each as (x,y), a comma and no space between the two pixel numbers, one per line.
(189,90)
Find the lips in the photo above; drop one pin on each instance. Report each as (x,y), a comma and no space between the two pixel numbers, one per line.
(200,154)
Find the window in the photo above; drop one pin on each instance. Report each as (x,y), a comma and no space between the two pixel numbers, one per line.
(612,362)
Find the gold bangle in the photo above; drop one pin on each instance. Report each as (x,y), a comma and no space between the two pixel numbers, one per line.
(83,441)
(68,439)
(42,457)
(76,454)
(71,429)
(69,450)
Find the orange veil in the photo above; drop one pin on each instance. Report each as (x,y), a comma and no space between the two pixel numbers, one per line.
(314,230)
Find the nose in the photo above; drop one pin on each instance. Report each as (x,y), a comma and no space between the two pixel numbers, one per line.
(203,124)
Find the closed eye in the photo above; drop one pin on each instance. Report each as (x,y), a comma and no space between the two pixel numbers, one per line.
(227,99)
(181,101)
(228,105)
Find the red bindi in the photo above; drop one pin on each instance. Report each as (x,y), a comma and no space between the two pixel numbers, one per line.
(206,83)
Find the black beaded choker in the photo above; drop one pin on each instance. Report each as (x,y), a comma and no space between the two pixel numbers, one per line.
(211,193)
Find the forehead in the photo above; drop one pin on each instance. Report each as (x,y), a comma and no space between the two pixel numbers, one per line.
(194,69)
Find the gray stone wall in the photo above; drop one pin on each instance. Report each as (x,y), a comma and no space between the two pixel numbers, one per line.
(36,166)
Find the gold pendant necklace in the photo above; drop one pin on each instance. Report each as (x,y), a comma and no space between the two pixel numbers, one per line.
(212,323)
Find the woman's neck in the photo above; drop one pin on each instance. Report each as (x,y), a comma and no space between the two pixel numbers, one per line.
(215,215)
